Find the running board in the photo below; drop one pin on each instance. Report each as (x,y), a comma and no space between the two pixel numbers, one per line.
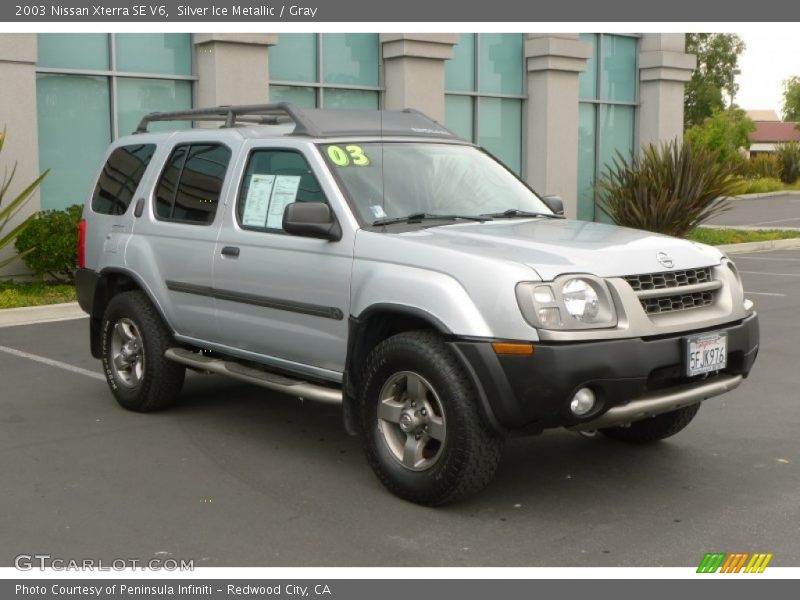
(656,403)
(272,381)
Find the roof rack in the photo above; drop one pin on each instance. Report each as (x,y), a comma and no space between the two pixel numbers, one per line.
(260,114)
(314,122)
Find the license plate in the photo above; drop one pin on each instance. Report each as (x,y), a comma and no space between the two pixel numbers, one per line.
(706,353)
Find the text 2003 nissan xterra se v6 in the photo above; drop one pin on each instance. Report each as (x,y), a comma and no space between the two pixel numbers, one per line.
(375,259)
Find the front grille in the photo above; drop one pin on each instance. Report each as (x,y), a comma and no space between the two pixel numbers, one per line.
(672,279)
(665,304)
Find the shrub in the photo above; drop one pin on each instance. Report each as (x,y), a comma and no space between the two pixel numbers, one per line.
(788,155)
(16,204)
(50,243)
(670,188)
(763,165)
(724,133)
(762,185)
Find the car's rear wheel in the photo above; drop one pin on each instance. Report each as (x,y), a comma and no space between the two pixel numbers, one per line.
(655,428)
(423,435)
(134,339)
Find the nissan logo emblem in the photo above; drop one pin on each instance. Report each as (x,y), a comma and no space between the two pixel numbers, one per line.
(665,260)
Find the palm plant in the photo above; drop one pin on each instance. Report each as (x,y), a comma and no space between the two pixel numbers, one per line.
(670,188)
(10,210)
(788,155)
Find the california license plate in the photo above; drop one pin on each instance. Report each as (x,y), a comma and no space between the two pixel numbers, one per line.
(706,353)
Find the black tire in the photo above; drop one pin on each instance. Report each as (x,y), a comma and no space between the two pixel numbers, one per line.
(655,428)
(467,458)
(161,380)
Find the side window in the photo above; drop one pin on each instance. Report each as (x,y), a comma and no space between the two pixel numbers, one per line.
(273,179)
(120,177)
(191,183)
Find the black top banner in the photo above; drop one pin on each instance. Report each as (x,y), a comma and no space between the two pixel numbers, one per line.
(440,11)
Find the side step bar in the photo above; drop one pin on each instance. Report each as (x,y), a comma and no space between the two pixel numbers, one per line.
(656,403)
(272,381)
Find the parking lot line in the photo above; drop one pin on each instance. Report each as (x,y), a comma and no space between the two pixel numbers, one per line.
(53,363)
(764,294)
(770,273)
(742,256)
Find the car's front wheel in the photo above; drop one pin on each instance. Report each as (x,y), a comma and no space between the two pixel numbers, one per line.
(423,435)
(134,339)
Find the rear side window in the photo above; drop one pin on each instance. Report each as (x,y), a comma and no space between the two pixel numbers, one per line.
(120,177)
(190,185)
(273,179)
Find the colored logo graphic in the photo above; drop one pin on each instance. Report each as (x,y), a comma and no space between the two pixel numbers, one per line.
(736,562)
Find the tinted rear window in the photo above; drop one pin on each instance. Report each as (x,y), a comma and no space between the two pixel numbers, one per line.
(191,183)
(120,177)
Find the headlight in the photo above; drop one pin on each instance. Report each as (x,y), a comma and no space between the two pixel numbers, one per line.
(569,302)
(581,300)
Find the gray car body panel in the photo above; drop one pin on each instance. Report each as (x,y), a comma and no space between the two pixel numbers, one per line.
(463,275)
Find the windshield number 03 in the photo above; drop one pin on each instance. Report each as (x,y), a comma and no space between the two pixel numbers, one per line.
(349,155)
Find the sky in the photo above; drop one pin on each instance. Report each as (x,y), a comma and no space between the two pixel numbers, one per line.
(769,59)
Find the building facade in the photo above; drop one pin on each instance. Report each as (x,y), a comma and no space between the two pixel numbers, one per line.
(555,108)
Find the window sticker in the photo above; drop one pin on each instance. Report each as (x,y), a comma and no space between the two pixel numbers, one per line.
(349,155)
(284,192)
(257,201)
(377,211)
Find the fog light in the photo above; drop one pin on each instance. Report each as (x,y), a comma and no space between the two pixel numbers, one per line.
(582,402)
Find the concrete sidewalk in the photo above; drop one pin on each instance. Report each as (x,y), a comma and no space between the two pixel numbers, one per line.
(40,314)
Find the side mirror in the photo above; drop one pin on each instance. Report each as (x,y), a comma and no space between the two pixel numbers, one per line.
(554,203)
(311,219)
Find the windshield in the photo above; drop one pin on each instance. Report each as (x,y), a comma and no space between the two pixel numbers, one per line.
(397,179)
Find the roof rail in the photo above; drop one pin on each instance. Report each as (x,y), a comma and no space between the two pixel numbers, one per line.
(262,114)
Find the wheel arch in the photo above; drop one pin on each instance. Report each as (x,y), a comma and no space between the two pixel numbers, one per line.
(379,322)
(113,281)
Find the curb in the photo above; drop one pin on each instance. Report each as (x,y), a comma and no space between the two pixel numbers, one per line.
(28,315)
(746,247)
(766,195)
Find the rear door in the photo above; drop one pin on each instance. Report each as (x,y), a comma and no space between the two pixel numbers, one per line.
(284,297)
(174,244)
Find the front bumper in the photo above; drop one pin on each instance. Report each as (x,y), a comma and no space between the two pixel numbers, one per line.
(631,378)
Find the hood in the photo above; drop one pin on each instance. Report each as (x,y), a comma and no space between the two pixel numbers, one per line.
(553,247)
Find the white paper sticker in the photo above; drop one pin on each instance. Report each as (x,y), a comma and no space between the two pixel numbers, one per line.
(377,211)
(284,192)
(257,201)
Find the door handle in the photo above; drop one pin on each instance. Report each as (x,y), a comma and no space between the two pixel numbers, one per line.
(139,208)
(232,251)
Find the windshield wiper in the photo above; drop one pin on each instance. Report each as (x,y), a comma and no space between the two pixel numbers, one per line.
(515,212)
(421,216)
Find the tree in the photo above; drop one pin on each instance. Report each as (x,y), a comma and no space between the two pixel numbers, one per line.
(717,59)
(791,99)
(724,133)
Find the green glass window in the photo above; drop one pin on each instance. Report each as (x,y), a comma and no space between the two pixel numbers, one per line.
(305,97)
(350,58)
(616,132)
(167,53)
(500,67)
(607,115)
(137,97)
(458,115)
(459,71)
(499,129)
(587,80)
(485,70)
(70,51)
(586,161)
(618,77)
(74,132)
(294,58)
(339,98)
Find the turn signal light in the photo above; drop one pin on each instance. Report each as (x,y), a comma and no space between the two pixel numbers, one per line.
(513,348)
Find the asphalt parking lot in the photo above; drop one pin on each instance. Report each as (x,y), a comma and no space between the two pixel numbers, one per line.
(781,211)
(236,476)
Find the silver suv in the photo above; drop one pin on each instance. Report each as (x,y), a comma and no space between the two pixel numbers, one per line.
(374,259)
